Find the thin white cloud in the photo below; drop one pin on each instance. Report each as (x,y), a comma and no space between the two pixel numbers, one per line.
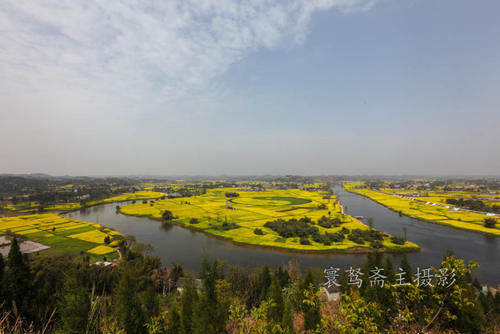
(138,55)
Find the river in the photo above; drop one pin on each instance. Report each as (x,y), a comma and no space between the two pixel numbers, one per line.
(174,244)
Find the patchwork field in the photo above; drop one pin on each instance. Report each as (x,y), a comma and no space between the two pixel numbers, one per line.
(242,218)
(63,235)
(433,213)
(31,207)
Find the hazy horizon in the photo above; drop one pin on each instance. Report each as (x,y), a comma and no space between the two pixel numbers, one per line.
(324,87)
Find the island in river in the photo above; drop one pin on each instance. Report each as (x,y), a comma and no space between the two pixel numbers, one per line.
(291,220)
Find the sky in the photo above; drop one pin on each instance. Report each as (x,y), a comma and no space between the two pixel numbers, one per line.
(220,87)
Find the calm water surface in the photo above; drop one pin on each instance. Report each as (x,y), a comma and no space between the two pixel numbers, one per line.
(179,245)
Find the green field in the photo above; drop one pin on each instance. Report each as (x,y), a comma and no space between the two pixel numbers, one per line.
(236,218)
(65,236)
(433,213)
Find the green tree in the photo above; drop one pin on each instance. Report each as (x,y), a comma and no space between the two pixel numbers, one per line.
(74,306)
(2,269)
(275,311)
(189,298)
(489,222)
(206,314)
(174,321)
(406,268)
(459,309)
(311,307)
(167,215)
(151,305)
(287,321)
(17,281)
(369,221)
(308,281)
(389,269)
(127,305)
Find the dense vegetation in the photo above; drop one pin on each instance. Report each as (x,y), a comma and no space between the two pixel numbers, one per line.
(67,295)
(473,204)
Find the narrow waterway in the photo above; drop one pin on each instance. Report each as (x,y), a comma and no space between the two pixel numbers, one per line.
(179,245)
(434,239)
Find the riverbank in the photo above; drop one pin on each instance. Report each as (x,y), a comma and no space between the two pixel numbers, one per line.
(433,214)
(353,250)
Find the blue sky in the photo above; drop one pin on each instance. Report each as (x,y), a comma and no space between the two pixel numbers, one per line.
(250,87)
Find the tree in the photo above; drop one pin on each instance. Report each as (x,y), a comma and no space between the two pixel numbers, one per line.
(287,321)
(174,322)
(489,222)
(459,309)
(17,281)
(389,269)
(167,215)
(151,305)
(74,306)
(307,281)
(127,306)
(406,268)
(206,314)
(369,221)
(311,306)
(354,316)
(263,282)
(275,311)
(189,298)
(2,269)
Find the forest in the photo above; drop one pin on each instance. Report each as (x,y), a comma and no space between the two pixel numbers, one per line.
(138,295)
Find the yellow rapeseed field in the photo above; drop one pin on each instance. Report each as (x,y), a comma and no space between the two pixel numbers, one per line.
(64,235)
(251,210)
(433,213)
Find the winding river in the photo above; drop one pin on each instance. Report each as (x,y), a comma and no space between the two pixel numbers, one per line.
(179,245)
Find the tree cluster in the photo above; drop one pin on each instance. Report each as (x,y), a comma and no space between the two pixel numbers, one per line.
(64,295)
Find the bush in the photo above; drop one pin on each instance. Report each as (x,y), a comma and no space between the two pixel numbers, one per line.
(194,221)
(167,215)
(398,240)
(361,236)
(304,241)
(258,231)
(376,244)
(489,222)
(327,222)
(232,194)
(292,227)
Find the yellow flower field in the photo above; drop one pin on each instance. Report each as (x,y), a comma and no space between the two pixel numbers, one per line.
(251,210)
(63,235)
(101,250)
(433,213)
